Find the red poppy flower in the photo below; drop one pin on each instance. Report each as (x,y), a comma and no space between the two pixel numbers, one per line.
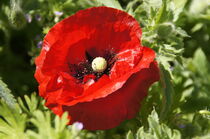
(67,81)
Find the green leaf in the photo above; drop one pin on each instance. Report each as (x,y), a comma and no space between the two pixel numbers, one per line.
(157,130)
(155,4)
(6,95)
(129,8)
(179,6)
(181,32)
(172,50)
(111,3)
(200,62)
(141,134)
(203,137)
(60,123)
(129,135)
(161,14)
(13,123)
(49,127)
(32,103)
(17,17)
(197,27)
(198,6)
(153,121)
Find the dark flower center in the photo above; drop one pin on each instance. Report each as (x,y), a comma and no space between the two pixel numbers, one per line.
(84,68)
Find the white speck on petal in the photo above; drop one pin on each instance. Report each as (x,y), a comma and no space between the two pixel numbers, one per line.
(122,60)
(37,67)
(131,64)
(46,47)
(120,53)
(59,80)
(90,82)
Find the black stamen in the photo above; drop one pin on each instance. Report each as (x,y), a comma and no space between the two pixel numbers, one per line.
(88,57)
(84,68)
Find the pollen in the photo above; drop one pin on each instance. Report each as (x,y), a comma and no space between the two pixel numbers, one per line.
(99,64)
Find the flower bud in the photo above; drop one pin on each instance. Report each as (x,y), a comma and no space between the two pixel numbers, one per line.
(165,29)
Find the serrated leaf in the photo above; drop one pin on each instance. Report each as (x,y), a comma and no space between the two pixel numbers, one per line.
(54,128)
(181,32)
(60,123)
(129,135)
(154,3)
(111,3)
(6,95)
(153,121)
(129,8)
(12,122)
(157,130)
(32,103)
(179,6)
(172,50)
(141,134)
(161,14)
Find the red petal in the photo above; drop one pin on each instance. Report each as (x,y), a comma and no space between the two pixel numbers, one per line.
(105,86)
(108,112)
(105,103)
(104,28)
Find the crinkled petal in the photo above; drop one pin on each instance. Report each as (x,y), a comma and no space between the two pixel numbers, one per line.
(105,86)
(95,30)
(108,112)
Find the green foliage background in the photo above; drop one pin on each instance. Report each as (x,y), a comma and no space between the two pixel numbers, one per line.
(176,107)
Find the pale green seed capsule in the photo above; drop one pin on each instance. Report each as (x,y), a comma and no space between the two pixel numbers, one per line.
(99,64)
